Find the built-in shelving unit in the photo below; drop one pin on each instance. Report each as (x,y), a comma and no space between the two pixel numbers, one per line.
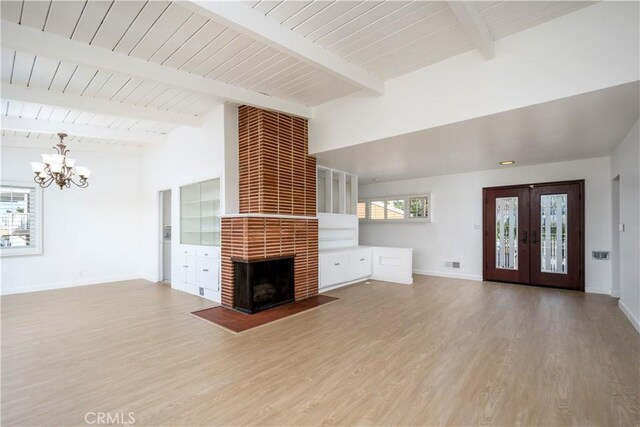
(337,191)
(200,213)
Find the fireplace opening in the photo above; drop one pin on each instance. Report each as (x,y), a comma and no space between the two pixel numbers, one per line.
(262,284)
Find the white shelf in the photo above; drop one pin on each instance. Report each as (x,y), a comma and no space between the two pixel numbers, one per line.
(198,216)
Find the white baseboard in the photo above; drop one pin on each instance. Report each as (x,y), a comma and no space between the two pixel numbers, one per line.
(475,277)
(407,281)
(341,285)
(597,290)
(68,284)
(629,314)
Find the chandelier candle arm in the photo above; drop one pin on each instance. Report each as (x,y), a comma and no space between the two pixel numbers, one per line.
(59,169)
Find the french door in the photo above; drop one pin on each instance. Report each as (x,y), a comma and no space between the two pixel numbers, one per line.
(534,234)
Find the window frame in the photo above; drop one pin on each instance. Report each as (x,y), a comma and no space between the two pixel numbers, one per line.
(407,214)
(38,200)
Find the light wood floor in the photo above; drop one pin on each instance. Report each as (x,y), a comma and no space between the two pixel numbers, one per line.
(442,351)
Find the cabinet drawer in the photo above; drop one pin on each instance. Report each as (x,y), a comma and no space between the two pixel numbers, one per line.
(186,251)
(208,252)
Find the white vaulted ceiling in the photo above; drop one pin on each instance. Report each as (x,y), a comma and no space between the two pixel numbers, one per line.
(391,38)
(150,66)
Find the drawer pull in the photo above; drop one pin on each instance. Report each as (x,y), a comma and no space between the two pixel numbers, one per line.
(206,254)
(361,259)
(337,263)
(185,266)
(205,270)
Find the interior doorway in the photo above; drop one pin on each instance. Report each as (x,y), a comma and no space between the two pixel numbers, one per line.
(534,234)
(165,236)
(615,237)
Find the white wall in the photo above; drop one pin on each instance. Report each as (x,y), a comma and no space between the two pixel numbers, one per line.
(590,49)
(456,233)
(190,155)
(625,162)
(90,235)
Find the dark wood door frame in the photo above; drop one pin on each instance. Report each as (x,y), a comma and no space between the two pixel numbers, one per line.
(487,248)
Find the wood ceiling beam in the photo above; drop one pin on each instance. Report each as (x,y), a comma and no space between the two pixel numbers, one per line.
(93,105)
(475,27)
(74,129)
(36,42)
(242,18)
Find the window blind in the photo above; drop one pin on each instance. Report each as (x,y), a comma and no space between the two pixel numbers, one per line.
(18,218)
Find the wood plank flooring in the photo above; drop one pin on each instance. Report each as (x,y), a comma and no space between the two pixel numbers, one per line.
(440,352)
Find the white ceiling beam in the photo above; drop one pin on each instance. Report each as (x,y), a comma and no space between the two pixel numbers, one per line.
(43,126)
(99,106)
(475,27)
(76,145)
(242,18)
(36,42)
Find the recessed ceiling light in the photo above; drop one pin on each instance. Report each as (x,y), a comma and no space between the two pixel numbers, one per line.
(507,162)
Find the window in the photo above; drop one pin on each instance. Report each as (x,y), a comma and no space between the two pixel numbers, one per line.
(20,219)
(362,210)
(419,207)
(376,209)
(396,208)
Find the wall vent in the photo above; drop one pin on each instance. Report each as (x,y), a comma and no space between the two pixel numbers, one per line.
(452,264)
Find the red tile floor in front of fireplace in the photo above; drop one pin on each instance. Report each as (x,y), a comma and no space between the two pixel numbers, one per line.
(237,322)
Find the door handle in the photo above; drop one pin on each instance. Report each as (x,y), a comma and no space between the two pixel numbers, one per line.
(534,238)
(524,238)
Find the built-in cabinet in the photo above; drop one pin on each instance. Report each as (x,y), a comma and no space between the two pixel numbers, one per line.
(197,265)
(347,265)
(200,269)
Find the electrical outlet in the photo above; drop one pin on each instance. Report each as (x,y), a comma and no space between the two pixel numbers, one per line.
(201,291)
(452,264)
(602,255)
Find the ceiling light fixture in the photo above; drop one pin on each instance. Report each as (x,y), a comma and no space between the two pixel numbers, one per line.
(59,168)
(507,162)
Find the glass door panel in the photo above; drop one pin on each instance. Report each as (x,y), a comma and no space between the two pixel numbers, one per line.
(507,232)
(553,234)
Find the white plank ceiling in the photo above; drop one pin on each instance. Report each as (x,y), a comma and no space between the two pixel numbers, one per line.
(384,38)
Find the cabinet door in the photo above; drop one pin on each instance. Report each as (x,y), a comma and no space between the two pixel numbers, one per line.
(359,264)
(191,276)
(334,269)
(207,273)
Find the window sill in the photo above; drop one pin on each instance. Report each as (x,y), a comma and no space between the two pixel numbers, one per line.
(19,252)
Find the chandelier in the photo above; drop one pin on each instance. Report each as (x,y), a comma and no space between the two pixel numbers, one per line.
(59,168)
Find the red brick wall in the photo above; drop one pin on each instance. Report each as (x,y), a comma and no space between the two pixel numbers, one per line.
(277,176)
(255,238)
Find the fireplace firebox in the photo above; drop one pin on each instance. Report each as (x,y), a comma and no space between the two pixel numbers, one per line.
(262,284)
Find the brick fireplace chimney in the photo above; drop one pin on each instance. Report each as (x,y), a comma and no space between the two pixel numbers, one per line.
(277,191)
